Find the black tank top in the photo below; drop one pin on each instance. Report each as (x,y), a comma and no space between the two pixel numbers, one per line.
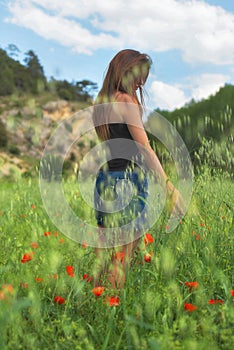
(128,149)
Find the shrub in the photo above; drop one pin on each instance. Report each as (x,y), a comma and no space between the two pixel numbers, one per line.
(3,134)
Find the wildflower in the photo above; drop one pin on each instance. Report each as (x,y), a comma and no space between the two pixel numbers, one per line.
(70,270)
(7,288)
(198,237)
(84,245)
(232,292)
(112,301)
(86,277)
(47,233)
(34,245)
(38,279)
(55,276)
(59,300)
(147,257)
(24,285)
(119,256)
(202,224)
(56,233)
(33,206)
(148,238)
(189,307)
(192,285)
(97,291)
(61,240)
(215,301)
(27,257)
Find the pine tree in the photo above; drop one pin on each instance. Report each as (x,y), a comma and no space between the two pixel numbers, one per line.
(35,70)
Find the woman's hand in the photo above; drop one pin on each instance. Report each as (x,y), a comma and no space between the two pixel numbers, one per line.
(176,202)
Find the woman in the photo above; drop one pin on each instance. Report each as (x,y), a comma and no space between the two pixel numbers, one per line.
(118,117)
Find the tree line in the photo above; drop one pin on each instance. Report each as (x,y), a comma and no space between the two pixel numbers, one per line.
(29,77)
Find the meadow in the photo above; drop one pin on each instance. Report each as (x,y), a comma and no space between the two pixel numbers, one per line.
(182,297)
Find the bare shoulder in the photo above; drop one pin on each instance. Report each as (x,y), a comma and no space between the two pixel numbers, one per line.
(123,97)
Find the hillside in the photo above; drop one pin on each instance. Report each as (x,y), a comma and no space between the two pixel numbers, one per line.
(206,127)
(31,106)
(26,124)
(211,117)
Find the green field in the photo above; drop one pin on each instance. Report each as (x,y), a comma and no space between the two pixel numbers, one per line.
(152,310)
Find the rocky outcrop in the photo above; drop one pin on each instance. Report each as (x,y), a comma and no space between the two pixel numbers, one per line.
(30,127)
(57,110)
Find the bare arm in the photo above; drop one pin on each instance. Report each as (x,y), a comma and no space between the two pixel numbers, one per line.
(131,115)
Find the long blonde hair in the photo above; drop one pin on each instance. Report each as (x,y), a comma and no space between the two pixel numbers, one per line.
(127,72)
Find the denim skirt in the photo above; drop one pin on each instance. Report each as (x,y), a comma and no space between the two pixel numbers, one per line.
(120,198)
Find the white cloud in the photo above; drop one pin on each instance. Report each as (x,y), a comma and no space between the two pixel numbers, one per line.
(203,33)
(205,85)
(167,96)
(67,32)
(170,97)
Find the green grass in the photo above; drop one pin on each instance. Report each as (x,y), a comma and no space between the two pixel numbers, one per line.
(151,312)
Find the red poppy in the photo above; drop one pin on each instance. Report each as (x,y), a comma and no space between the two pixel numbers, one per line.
(47,233)
(56,233)
(7,288)
(232,292)
(34,245)
(192,285)
(119,256)
(198,237)
(84,245)
(215,301)
(189,307)
(202,224)
(148,238)
(86,277)
(112,301)
(70,270)
(97,291)
(27,257)
(33,206)
(59,300)
(38,279)
(61,240)
(147,257)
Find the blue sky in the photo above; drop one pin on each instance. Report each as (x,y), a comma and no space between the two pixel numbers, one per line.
(191,42)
